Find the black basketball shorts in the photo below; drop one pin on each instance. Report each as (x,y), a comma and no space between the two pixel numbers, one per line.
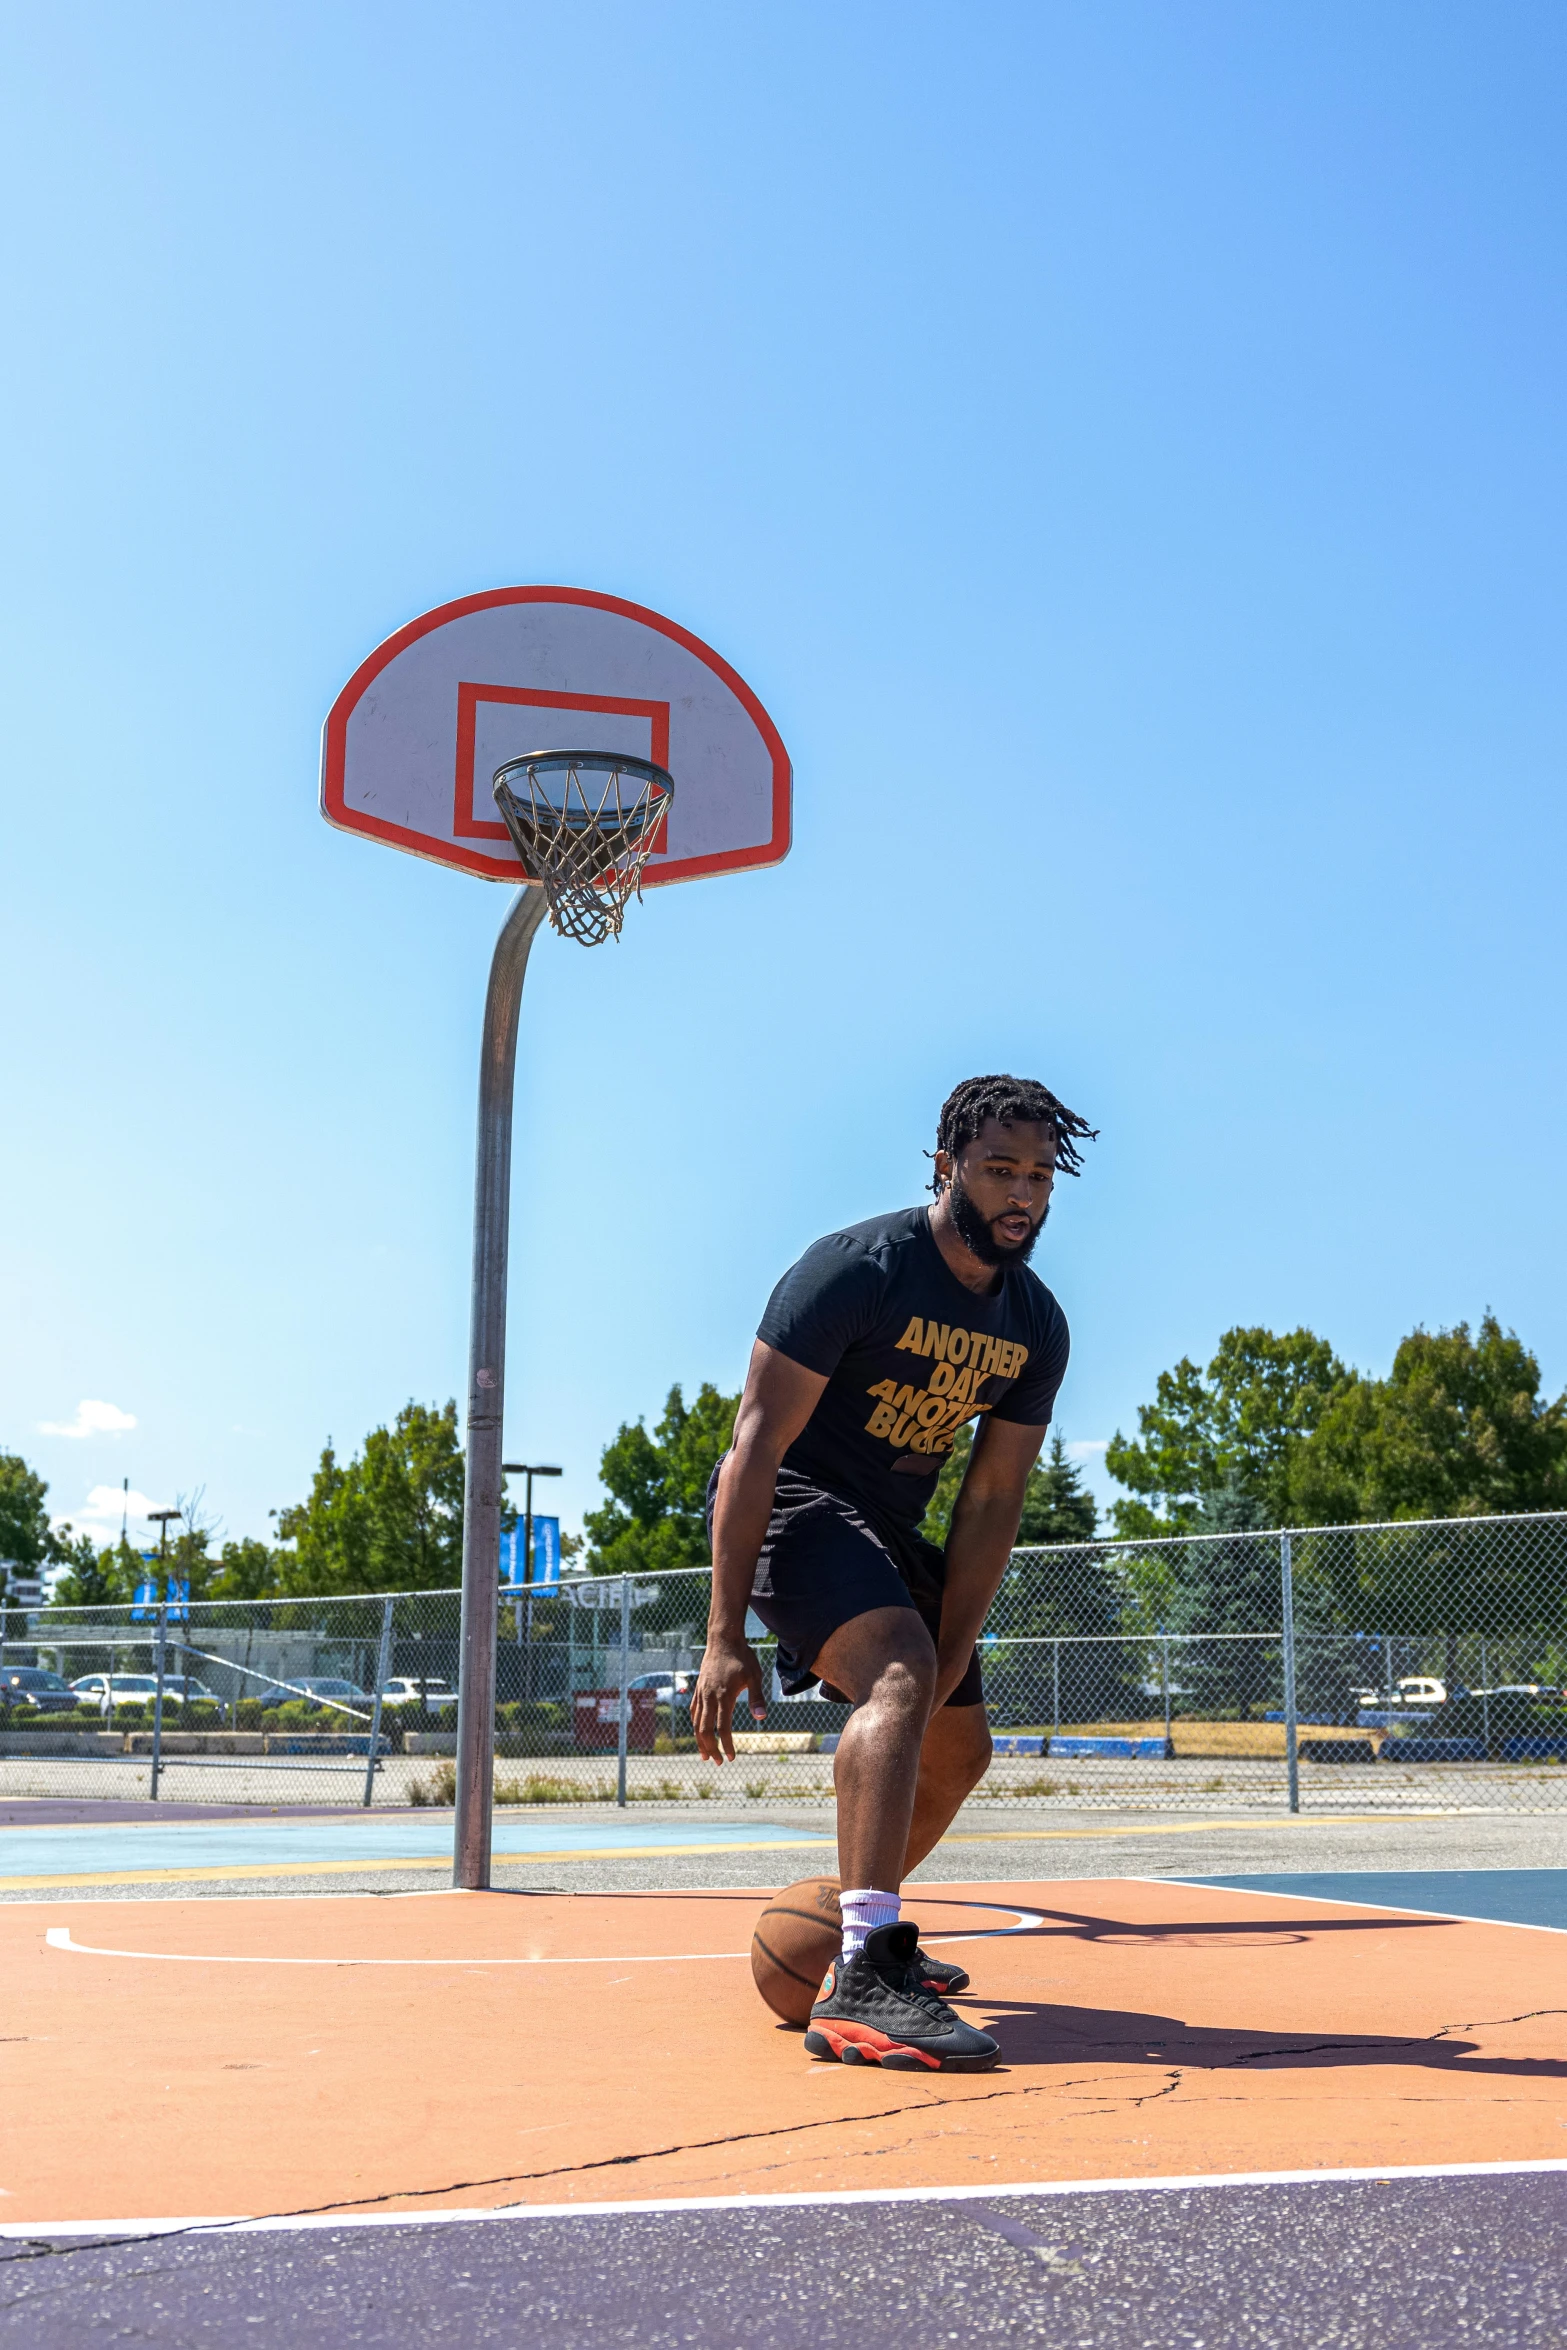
(821,1565)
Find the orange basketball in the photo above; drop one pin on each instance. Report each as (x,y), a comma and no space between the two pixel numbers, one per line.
(798,1935)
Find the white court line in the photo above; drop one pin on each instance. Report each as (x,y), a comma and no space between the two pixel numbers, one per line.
(823,2199)
(1397,1909)
(60,1938)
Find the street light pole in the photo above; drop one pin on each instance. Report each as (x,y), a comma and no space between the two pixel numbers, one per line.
(530,1470)
(160,1518)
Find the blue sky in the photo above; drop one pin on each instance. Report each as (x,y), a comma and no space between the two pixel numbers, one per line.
(1122,446)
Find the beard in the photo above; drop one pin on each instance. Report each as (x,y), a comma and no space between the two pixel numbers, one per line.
(976,1235)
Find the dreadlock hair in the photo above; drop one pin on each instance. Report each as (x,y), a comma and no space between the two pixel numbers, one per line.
(968,1105)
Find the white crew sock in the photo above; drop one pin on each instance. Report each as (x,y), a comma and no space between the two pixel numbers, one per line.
(863,1912)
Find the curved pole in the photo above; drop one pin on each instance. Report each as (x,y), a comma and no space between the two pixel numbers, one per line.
(481,1531)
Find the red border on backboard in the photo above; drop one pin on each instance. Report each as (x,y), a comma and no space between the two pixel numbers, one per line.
(471,827)
(334,740)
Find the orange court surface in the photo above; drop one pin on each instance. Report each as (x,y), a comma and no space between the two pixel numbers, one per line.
(195,2059)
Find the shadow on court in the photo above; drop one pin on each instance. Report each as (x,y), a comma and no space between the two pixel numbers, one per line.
(1036,2033)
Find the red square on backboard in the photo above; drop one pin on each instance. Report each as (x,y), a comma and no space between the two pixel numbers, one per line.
(471,790)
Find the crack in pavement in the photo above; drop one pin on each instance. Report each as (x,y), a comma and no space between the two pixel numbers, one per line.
(44,2248)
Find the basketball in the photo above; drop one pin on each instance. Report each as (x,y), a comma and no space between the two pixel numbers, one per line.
(796,1940)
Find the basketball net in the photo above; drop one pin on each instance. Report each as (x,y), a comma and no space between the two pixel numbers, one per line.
(584,824)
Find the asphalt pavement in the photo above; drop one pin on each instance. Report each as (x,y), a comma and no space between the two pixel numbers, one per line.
(1396,2264)
(685,1846)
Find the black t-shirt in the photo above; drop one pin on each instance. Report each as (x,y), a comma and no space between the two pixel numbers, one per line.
(909,1354)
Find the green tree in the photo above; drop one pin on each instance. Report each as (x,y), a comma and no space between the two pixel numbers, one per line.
(246,1569)
(1235,1425)
(1458,1429)
(1057,1506)
(657,1485)
(96,1578)
(24,1520)
(390,1520)
(1053,1622)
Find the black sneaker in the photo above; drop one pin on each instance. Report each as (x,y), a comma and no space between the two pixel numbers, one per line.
(877,2009)
(938,1976)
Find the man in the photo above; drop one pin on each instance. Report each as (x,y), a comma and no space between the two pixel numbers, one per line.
(875,1349)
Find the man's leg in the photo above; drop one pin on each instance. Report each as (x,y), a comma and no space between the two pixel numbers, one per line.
(875,2007)
(885,1662)
(953,1760)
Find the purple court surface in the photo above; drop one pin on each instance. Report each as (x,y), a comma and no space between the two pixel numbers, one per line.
(1396,2263)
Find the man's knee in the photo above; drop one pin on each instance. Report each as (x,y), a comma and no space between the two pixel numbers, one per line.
(905,1673)
(883,1658)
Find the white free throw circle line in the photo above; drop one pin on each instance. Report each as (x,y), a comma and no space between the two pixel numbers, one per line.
(60,1938)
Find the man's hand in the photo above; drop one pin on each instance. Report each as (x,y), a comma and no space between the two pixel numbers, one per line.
(728,1667)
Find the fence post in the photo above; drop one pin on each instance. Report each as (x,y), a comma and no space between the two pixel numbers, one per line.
(1485,1697)
(157,1703)
(625,1694)
(1164,1683)
(1055,1679)
(383,1667)
(1291,1725)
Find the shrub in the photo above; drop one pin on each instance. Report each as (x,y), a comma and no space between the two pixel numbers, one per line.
(536,1788)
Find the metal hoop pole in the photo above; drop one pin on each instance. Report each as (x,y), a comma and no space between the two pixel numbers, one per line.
(481,1532)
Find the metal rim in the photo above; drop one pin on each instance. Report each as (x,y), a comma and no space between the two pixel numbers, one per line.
(599,762)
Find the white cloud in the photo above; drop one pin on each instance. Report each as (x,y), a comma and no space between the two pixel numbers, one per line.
(1086,1445)
(92,1419)
(101,1512)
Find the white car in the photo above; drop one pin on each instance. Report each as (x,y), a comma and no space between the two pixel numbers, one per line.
(431,1691)
(1415,1689)
(141,1689)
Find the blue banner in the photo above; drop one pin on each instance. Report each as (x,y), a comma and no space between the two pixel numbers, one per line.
(546,1553)
(144,1607)
(546,1556)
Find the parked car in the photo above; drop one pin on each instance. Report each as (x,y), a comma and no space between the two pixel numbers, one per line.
(431,1691)
(310,1686)
(1414,1689)
(142,1689)
(178,1686)
(671,1689)
(1418,1689)
(123,1688)
(33,1690)
(1518,1709)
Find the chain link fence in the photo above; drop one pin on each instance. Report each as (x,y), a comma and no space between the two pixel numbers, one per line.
(1350,1667)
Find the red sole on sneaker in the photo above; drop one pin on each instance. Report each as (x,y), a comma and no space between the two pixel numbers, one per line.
(855,2046)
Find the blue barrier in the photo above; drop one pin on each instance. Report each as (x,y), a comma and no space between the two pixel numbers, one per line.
(1429,1750)
(1119,1749)
(1023,1745)
(1392,1718)
(1534,1749)
(1311,1721)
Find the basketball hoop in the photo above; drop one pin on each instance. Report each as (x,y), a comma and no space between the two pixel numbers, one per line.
(584,824)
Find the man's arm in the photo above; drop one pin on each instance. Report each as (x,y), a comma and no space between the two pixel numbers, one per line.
(779,1398)
(984,1529)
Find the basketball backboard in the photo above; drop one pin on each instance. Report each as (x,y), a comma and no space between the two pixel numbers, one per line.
(412,742)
